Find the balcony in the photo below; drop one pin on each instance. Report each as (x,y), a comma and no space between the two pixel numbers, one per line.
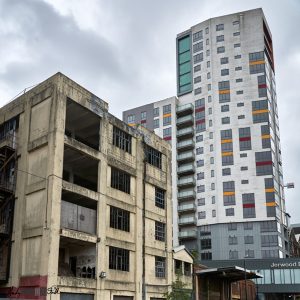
(186,156)
(186,195)
(186,207)
(186,145)
(186,169)
(187,234)
(185,109)
(185,121)
(185,132)
(186,181)
(187,220)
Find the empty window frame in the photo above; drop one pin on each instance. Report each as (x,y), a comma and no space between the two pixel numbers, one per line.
(118,259)
(205,244)
(160,267)
(119,219)
(121,139)
(154,157)
(120,180)
(160,231)
(159,198)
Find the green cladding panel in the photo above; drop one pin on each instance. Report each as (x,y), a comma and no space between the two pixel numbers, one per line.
(184,65)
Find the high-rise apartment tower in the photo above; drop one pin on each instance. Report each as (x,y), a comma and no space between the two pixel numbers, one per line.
(223,127)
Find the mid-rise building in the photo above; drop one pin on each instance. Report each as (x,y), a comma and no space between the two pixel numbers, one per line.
(85,205)
(228,186)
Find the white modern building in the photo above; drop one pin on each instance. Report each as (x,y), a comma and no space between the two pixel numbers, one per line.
(227,173)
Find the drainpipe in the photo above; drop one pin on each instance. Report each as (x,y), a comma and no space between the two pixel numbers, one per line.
(144,221)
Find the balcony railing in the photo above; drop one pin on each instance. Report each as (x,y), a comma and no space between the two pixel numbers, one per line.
(185,121)
(186,234)
(186,181)
(186,207)
(185,109)
(187,144)
(189,194)
(187,220)
(186,169)
(186,156)
(188,131)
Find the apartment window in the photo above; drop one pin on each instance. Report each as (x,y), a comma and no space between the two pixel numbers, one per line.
(121,139)
(178,268)
(248,205)
(208,52)
(209,87)
(187,269)
(259,68)
(268,226)
(167,132)
(160,267)
(205,244)
(131,119)
(243,155)
(167,120)
(153,157)
(224,60)
(264,164)
(198,58)
(205,230)
(199,150)
(200,176)
(159,198)
(210,110)
(238,68)
(160,231)
(248,226)
(198,91)
(197,79)
(269,253)
(201,201)
(197,68)
(118,259)
(213,213)
(245,139)
(206,30)
(235,22)
(156,123)
(208,64)
(240,104)
(199,138)
(212,186)
(210,123)
(198,36)
(269,240)
(213,199)
(119,219)
(249,253)
(226,120)
(201,188)
(240,117)
(224,72)
(211,135)
(209,99)
(244,181)
(211,147)
(226,172)
(236,33)
(198,47)
(226,134)
(120,180)
(219,27)
(232,240)
(221,49)
(239,80)
(200,163)
(206,256)
(224,85)
(239,92)
(229,212)
(200,102)
(237,45)
(212,173)
(232,226)
(227,147)
(249,239)
(211,160)
(200,127)
(201,215)
(143,115)
(156,112)
(208,75)
(244,168)
(167,109)
(207,41)
(220,38)
(224,108)
(233,254)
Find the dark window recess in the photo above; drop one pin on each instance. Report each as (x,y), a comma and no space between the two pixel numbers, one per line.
(206,256)
(120,180)
(178,267)
(159,198)
(205,244)
(118,259)
(119,218)
(160,267)
(153,157)
(122,139)
(160,231)
(187,269)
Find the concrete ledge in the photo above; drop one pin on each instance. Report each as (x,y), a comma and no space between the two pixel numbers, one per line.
(76,282)
(77,235)
(38,143)
(32,232)
(119,285)
(35,187)
(74,188)
(121,244)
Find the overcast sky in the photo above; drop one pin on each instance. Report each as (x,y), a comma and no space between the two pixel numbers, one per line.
(124,52)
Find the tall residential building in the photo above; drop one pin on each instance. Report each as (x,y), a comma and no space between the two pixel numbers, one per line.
(228,185)
(85,201)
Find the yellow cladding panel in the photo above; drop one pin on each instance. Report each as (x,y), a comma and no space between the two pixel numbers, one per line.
(270,190)
(271,204)
(226,141)
(166,115)
(260,111)
(228,193)
(227,153)
(266,136)
(224,92)
(256,62)
(131,124)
